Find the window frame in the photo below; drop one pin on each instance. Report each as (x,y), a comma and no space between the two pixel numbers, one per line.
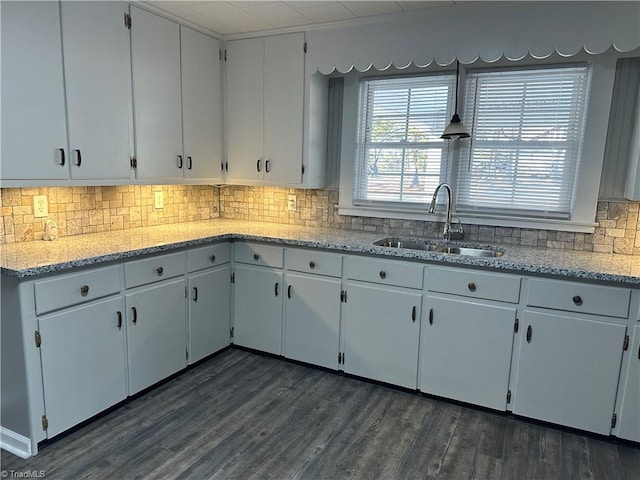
(582,218)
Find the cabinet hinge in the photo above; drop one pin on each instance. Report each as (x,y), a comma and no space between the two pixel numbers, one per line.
(343,296)
(614,420)
(45,422)
(305,47)
(340,358)
(133,161)
(127,21)
(186,355)
(233,278)
(231,331)
(302,169)
(38,339)
(625,344)
(343,358)
(220,54)
(225,54)
(516,326)
(508,396)
(185,292)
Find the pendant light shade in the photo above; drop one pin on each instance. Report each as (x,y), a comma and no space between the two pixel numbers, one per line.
(456,129)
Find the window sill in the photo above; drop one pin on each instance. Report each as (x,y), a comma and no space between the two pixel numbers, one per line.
(466,219)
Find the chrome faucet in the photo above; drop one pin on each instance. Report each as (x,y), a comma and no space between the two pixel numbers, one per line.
(456,230)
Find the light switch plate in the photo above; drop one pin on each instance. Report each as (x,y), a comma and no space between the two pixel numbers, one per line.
(291,202)
(40,206)
(158,200)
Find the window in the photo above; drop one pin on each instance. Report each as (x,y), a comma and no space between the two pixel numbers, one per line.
(527,129)
(400,155)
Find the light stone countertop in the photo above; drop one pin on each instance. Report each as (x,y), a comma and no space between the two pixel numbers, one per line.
(30,259)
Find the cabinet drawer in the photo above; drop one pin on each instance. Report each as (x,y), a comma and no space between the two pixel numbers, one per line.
(209,256)
(387,272)
(154,269)
(321,263)
(258,254)
(579,297)
(471,283)
(73,289)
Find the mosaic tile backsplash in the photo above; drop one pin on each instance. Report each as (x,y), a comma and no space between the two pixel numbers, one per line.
(79,210)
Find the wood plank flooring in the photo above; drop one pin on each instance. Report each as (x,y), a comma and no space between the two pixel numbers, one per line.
(241,415)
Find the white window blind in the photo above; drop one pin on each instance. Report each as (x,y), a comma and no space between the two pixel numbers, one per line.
(400,156)
(527,128)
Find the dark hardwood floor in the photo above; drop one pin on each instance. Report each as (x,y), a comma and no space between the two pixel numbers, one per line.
(241,415)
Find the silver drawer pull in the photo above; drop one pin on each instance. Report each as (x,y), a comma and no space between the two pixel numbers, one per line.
(159,271)
(84,290)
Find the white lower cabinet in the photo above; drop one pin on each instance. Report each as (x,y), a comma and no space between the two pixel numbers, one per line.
(465,351)
(312,319)
(83,362)
(209,312)
(156,333)
(628,421)
(381,330)
(258,308)
(568,370)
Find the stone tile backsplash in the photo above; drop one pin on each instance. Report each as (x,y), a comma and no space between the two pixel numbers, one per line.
(618,230)
(79,210)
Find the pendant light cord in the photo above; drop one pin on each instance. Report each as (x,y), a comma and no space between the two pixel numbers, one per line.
(457,77)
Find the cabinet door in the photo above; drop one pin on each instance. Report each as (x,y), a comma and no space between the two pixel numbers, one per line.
(628,424)
(83,362)
(283,108)
(209,312)
(34,135)
(156,333)
(568,370)
(257,317)
(465,351)
(245,72)
(312,319)
(155,52)
(201,105)
(381,333)
(97,67)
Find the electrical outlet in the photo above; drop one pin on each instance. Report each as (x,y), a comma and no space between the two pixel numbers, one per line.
(158,200)
(291,202)
(40,206)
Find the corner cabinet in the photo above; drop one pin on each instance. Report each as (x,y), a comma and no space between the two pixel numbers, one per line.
(90,105)
(628,404)
(258,292)
(265,99)
(312,307)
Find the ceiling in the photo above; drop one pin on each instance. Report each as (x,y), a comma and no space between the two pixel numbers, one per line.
(241,17)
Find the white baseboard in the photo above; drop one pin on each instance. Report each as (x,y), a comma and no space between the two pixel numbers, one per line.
(15,443)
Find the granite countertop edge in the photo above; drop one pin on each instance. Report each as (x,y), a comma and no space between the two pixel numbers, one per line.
(516,259)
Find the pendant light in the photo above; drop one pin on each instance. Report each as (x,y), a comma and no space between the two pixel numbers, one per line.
(456,129)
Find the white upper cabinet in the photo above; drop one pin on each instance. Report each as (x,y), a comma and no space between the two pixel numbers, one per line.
(97,91)
(265,106)
(201,106)
(34,136)
(155,51)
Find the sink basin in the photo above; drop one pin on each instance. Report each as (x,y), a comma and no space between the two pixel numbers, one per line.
(473,252)
(439,247)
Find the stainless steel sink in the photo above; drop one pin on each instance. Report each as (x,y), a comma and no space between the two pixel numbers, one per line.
(440,247)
